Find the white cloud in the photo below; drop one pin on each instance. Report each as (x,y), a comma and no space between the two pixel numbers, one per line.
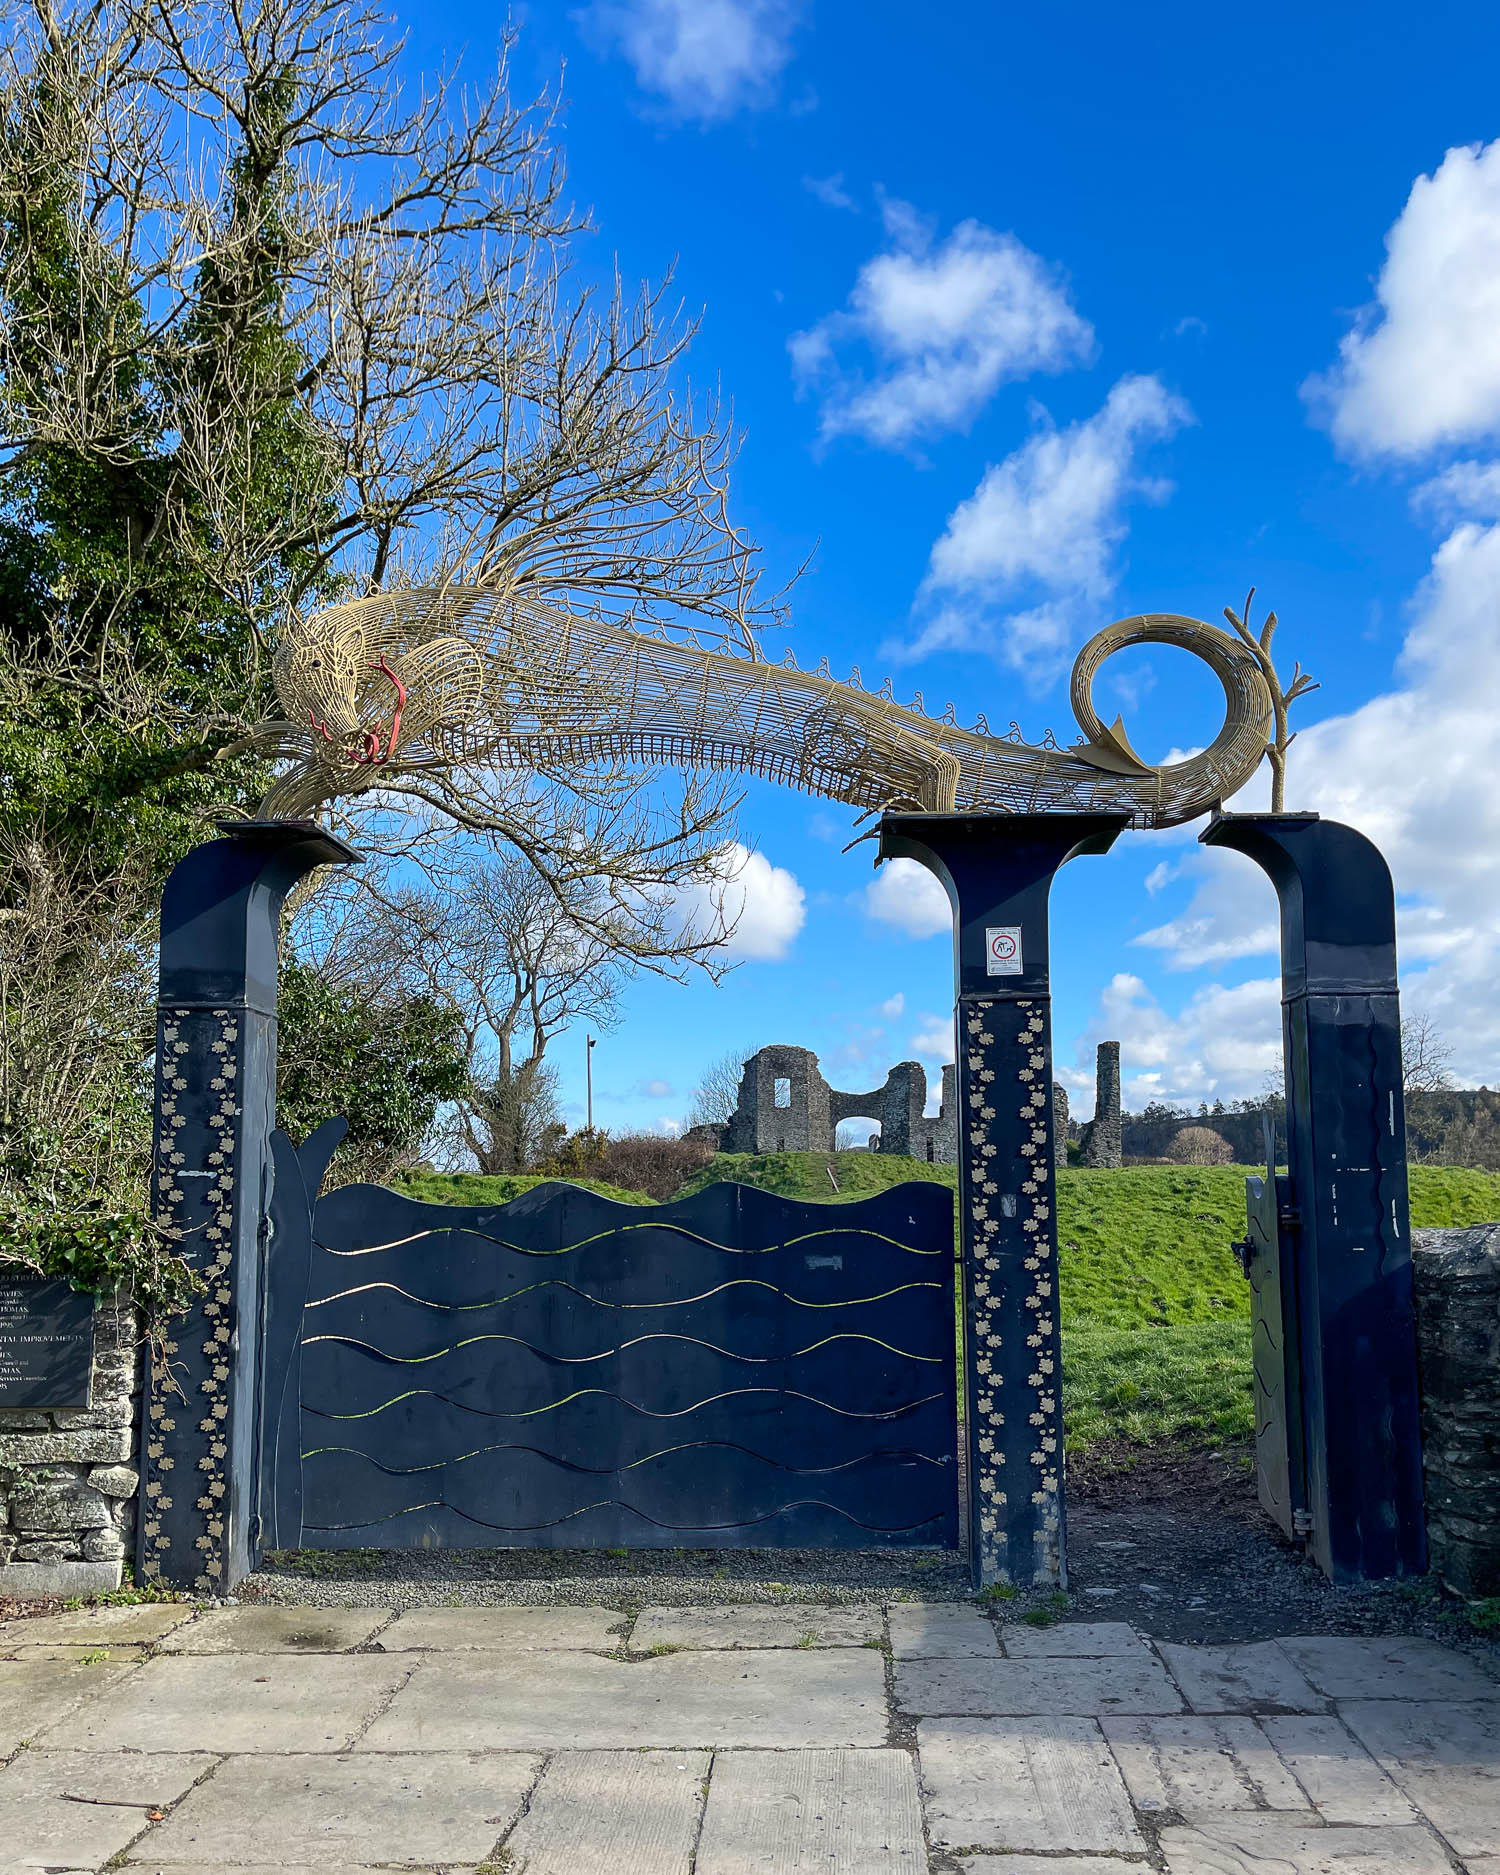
(893,1006)
(933,1041)
(657,1090)
(1463,491)
(1221,1046)
(707,58)
(1422,366)
(906,895)
(945,326)
(830,191)
(1411,769)
(1044,526)
(763,903)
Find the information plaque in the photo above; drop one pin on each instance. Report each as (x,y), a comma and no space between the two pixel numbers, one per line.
(46,1341)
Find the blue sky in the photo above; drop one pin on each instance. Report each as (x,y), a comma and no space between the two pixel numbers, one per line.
(1034,318)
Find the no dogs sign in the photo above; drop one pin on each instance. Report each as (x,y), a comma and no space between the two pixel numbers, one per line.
(1002,950)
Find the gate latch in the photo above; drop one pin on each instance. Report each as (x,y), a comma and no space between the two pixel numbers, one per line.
(1244,1251)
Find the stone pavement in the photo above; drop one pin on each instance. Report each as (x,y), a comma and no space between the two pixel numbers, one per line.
(785,1740)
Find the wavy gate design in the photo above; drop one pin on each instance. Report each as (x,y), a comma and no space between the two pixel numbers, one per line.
(734,1369)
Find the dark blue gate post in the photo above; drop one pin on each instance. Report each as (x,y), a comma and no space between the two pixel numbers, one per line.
(1354,1332)
(997,871)
(215,1104)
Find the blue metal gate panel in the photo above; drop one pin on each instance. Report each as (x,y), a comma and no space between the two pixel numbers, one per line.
(732,1369)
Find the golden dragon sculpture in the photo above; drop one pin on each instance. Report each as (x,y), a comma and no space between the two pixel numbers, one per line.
(448,677)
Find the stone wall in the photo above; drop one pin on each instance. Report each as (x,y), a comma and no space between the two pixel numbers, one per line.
(68,1479)
(1457,1276)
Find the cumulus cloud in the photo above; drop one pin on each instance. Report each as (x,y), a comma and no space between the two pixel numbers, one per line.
(906,895)
(1463,491)
(764,904)
(1041,534)
(1421,367)
(939,329)
(656,1090)
(1411,769)
(893,1006)
(1221,1045)
(933,1041)
(707,58)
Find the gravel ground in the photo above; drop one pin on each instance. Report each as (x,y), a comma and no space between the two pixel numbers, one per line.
(663,1578)
(1178,1546)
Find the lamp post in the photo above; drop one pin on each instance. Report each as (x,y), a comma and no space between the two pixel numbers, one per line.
(588,1063)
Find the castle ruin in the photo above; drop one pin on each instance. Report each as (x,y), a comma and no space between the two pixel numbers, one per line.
(785,1105)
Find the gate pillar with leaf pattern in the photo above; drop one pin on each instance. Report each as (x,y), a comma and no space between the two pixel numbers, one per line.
(214,1108)
(997,871)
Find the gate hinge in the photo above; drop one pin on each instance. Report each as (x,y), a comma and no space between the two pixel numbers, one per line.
(1302,1523)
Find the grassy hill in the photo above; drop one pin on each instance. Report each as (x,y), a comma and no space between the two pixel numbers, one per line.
(1155,1312)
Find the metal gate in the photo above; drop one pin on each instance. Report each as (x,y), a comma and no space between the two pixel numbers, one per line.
(1268,1253)
(563,1371)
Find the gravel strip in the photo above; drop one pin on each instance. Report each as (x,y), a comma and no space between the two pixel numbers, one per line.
(662,1578)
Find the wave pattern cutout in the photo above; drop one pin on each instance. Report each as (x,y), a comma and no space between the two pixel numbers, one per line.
(564,1371)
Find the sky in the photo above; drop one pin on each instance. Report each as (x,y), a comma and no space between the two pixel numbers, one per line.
(1034,318)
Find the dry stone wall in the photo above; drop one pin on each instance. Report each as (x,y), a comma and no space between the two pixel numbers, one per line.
(68,1479)
(1457,1279)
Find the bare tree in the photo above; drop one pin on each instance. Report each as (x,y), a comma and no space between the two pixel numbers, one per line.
(76,1028)
(1281,700)
(1424,1056)
(318,331)
(517,958)
(718,1090)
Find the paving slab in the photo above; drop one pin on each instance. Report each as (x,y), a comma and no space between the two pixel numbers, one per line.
(1073,1640)
(999,1687)
(1343,1780)
(37,1694)
(493,1630)
(556,1702)
(318,1809)
(97,1627)
(1446,1759)
(612,1813)
(1050,1865)
(788,1624)
(276,1630)
(1047,1784)
(1254,1677)
(1201,1765)
(76,1809)
(1386,1667)
(941,1631)
(95,1654)
(240,1702)
(813,1813)
(1257,1845)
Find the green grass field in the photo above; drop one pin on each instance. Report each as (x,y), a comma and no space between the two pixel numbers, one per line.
(1155,1312)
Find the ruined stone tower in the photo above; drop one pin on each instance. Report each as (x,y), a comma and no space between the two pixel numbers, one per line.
(1101,1137)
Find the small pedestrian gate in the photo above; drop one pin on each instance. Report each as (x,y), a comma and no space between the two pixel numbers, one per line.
(1268,1255)
(732,1369)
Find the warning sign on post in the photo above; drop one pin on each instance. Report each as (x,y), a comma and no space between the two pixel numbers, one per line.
(1002,950)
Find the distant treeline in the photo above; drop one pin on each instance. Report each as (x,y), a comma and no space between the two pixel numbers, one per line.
(1452,1126)
(1149,1135)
